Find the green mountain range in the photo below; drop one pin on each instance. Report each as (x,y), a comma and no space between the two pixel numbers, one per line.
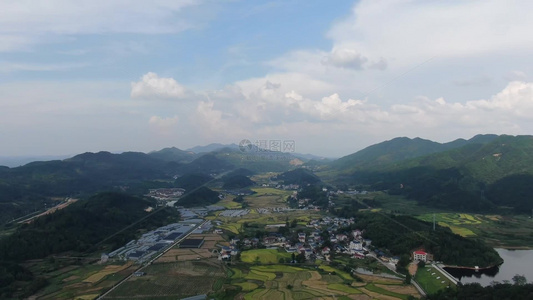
(479,174)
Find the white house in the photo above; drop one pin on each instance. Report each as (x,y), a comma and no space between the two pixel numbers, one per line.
(420,255)
(356,246)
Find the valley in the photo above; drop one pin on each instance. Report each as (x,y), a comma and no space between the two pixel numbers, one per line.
(175,224)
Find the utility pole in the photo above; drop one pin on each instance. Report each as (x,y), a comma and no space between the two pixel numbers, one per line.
(433,222)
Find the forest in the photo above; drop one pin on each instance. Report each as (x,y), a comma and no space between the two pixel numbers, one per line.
(400,235)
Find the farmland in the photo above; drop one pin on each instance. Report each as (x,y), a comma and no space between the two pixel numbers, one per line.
(290,282)
(83,281)
(497,230)
(179,279)
(264,256)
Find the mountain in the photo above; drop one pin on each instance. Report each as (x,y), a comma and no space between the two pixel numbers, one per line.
(212,147)
(298,176)
(191,181)
(477,176)
(81,226)
(207,164)
(202,196)
(27,188)
(399,149)
(236,182)
(174,154)
(17,161)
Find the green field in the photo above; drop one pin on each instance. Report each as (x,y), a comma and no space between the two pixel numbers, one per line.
(177,280)
(427,279)
(291,282)
(342,274)
(499,231)
(371,287)
(263,256)
(344,288)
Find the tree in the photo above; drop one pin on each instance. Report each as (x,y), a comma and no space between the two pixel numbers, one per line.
(519,279)
(421,264)
(408,278)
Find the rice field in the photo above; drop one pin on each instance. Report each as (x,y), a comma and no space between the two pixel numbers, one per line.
(292,282)
(263,256)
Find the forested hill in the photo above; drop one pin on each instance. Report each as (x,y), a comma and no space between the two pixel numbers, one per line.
(474,177)
(399,149)
(82,225)
(298,176)
(404,234)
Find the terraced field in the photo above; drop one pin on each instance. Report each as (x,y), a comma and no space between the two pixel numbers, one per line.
(290,282)
(264,256)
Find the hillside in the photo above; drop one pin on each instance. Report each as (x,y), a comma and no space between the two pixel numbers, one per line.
(399,149)
(191,181)
(80,226)
(258,161)
(202,196)
(404,234)
(298,176)
(476,176)
(173,154)
(237,182)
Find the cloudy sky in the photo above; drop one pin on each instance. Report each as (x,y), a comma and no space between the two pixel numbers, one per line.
(335,77)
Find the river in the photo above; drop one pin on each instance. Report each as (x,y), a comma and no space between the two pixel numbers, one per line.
(514,262)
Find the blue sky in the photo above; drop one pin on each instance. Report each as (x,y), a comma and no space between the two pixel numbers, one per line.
(332,76)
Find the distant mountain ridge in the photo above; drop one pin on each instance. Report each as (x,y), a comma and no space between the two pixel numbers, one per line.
(479,174)
(399,149)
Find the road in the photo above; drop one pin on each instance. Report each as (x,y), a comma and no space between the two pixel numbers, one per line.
(147,263)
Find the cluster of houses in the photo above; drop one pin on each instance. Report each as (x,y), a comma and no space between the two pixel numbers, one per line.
(165,194)
(311,244)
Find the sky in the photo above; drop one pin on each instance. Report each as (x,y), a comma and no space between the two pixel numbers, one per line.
(334,77)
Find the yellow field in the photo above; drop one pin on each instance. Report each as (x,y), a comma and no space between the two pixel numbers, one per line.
(465,232)
(247,286)
(111,269)
(87,297)
(265,256)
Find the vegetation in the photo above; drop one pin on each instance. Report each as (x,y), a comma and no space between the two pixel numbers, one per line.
(403,234)
(263,256)
(492,292)
(81,226)
(199,197)
(298,176)
(192,181)
(482,174)
(427,279)
(237,182)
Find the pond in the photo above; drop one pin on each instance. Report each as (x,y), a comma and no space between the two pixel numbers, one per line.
(514,262)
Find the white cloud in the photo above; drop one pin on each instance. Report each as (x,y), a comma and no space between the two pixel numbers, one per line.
(163,125)
(14,67)
(406,31)
(26,22)
(515,75)
(153,86)
(346,58)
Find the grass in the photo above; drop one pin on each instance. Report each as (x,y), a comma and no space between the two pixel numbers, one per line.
(342,274)
(261,276)
(232,227)
(429,282)
(343,288)
(381,291)
(264,256)
(174,280)
(247,286)
(278,268)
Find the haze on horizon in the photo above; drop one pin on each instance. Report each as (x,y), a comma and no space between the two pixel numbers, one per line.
(137,76)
